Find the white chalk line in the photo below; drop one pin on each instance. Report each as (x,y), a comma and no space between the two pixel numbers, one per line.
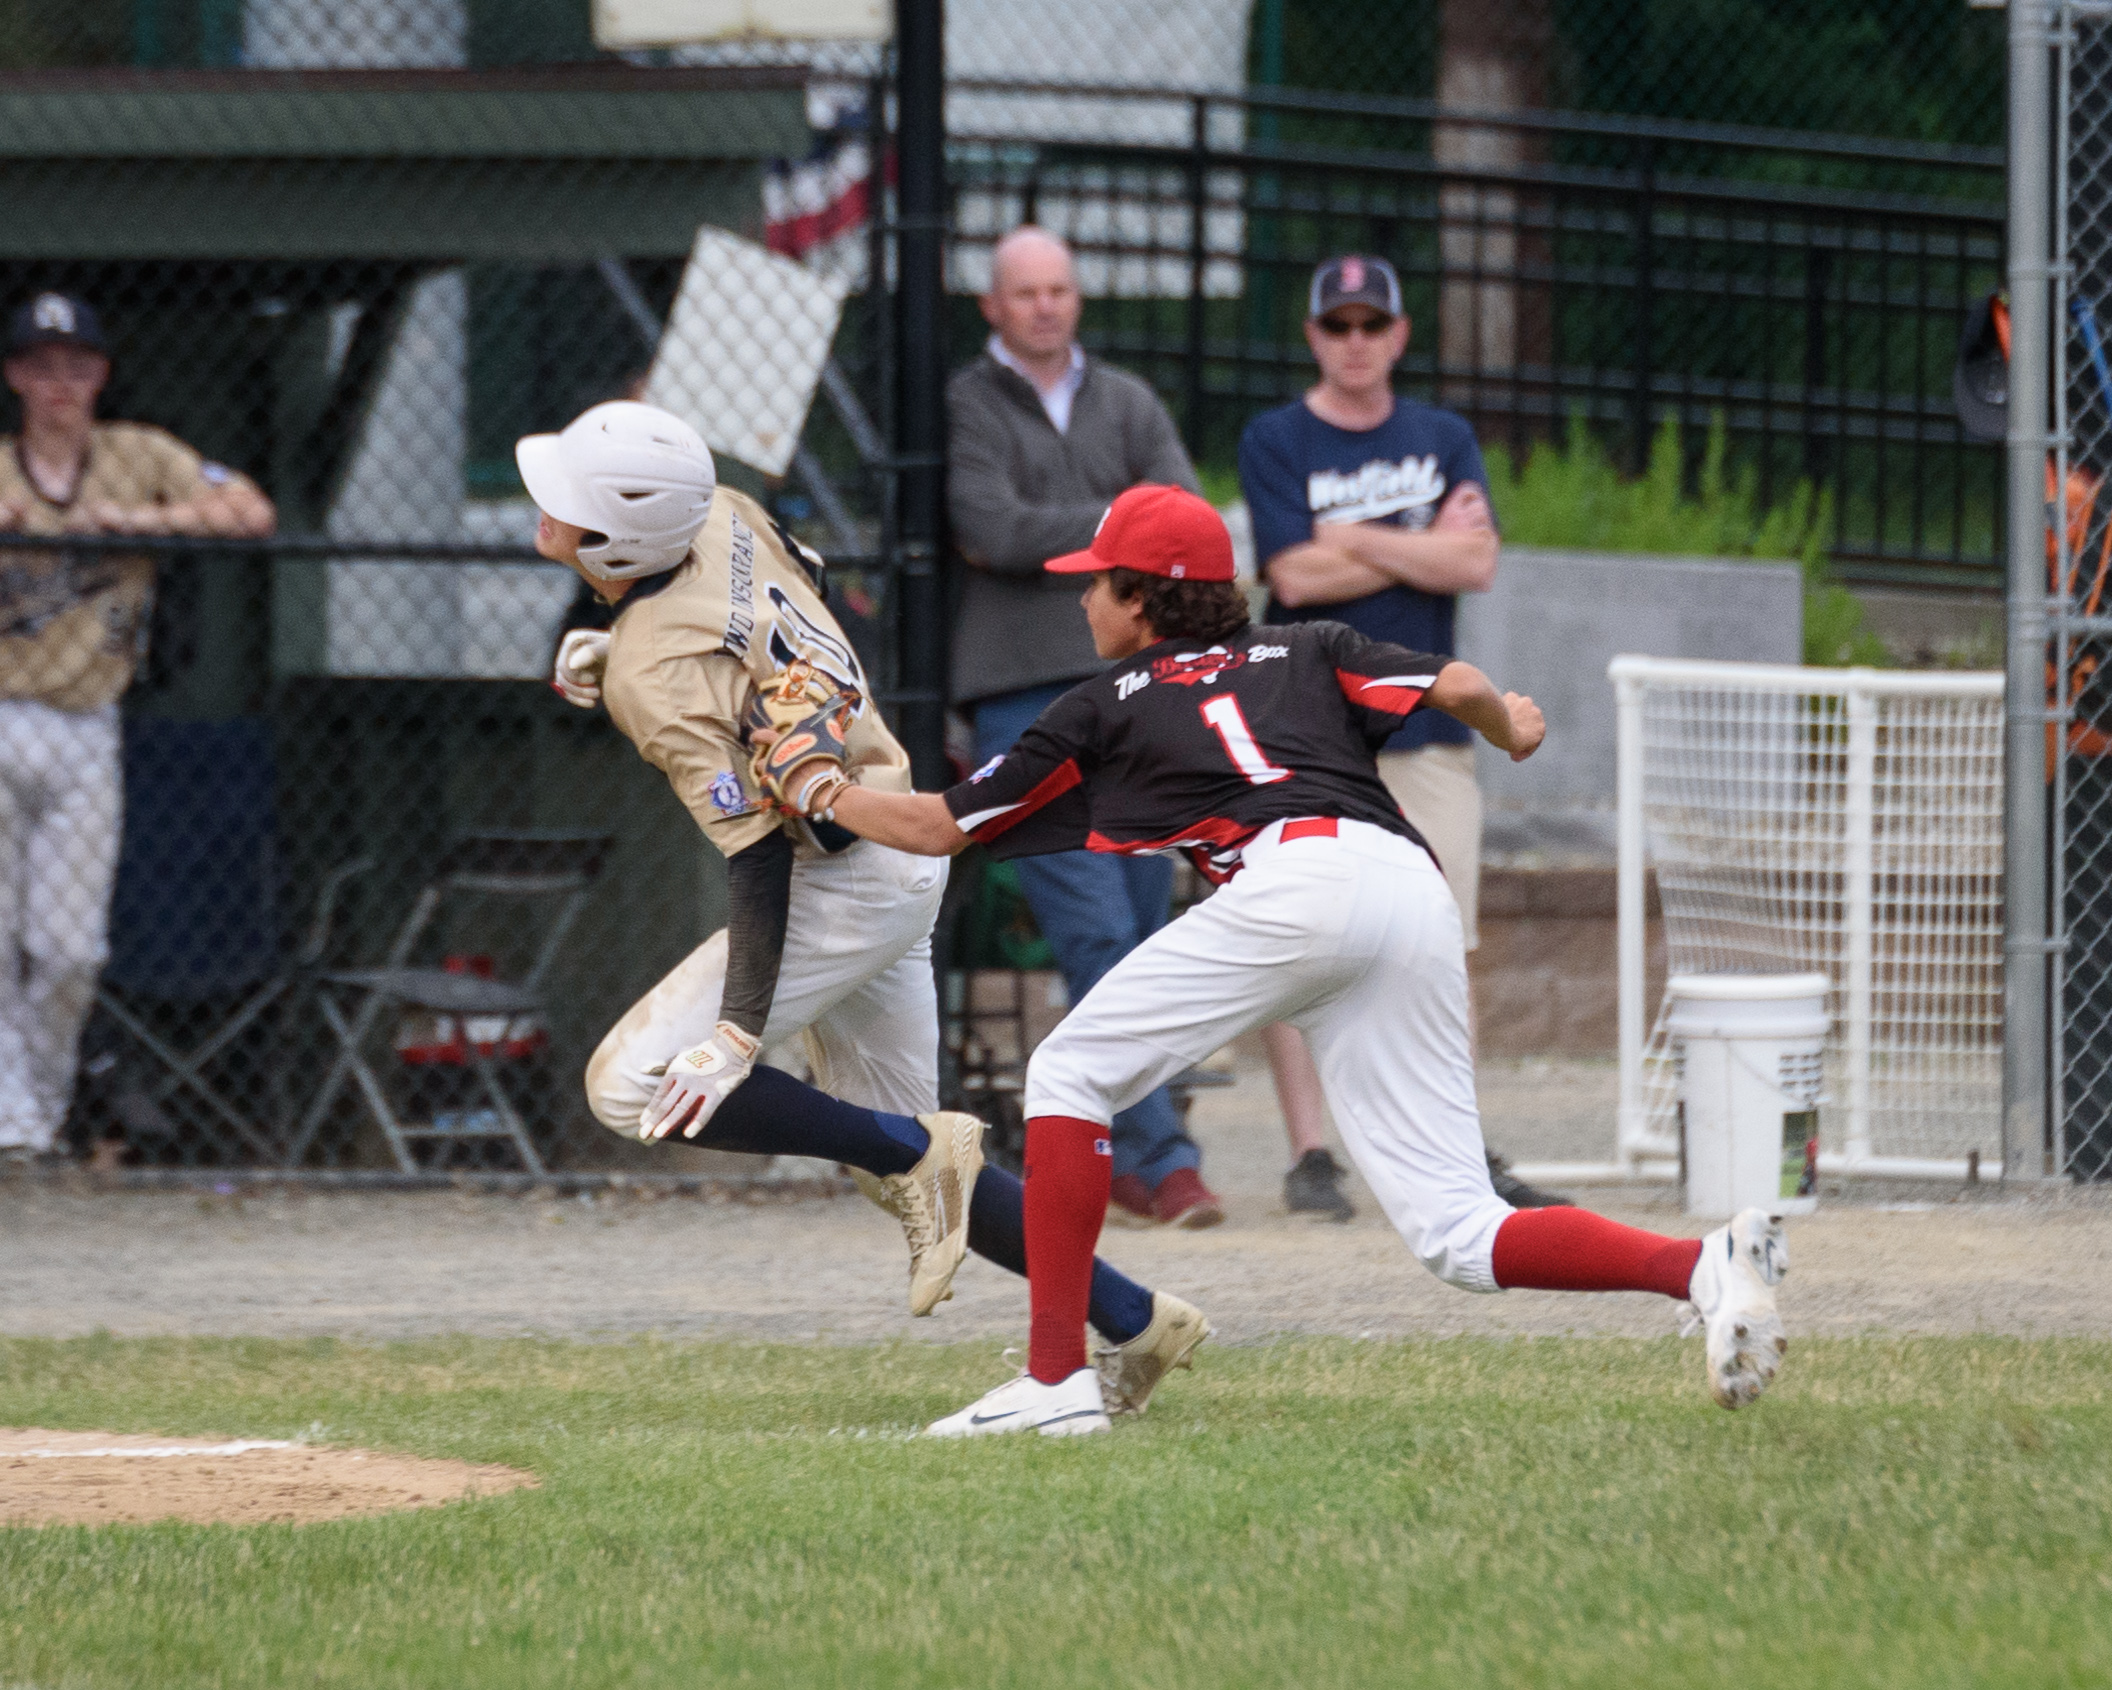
(156,1452)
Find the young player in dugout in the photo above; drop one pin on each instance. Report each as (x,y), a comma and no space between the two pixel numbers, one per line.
(721,627)
(1252,750)
(73,627)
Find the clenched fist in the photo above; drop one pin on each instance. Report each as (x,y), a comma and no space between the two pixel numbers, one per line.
(1528,726)
(582,659)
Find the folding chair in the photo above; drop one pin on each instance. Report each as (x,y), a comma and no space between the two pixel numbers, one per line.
(196,960)
(186,1068)
(556,868)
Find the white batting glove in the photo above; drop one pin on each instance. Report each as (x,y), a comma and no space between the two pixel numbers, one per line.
(582,656)
(697,1082)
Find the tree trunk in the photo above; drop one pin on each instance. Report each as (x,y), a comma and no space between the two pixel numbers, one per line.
(1495,325)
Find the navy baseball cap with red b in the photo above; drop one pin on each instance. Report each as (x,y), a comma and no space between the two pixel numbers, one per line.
(1156,531)
(1355,280)
(55,319)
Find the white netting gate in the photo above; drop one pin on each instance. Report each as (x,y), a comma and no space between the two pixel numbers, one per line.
(1847,821)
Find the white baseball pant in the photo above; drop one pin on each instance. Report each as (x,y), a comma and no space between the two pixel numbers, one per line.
(1356,940)
(61,808)
(856,983)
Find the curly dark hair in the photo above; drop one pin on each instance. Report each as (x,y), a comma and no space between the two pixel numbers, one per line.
(1183,610)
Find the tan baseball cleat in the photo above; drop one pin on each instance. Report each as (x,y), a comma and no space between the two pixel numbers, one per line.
(931,1202)
(1130,1372)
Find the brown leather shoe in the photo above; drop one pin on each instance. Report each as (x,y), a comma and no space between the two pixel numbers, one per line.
(1183,1200)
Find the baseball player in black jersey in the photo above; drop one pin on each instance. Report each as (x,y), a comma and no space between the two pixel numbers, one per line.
(1252,749)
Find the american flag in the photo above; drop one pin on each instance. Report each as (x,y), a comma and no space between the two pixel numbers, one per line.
(809,202)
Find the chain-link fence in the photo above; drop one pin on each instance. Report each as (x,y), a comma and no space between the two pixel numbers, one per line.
(1907,69)
(1677,246)
(314,298)
(1926,70)
(2079,737)
(345,253)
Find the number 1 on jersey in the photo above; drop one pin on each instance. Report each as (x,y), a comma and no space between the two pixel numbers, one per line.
(1225,718)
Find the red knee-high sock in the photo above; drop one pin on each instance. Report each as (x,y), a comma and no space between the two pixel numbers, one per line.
(1069,1168)
(1575,1250)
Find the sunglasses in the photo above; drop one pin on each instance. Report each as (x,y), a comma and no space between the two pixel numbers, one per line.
(1339,328)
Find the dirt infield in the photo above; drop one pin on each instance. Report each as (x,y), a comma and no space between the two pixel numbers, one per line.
(109,1478)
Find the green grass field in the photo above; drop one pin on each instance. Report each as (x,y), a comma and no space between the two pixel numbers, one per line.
(1458,1513)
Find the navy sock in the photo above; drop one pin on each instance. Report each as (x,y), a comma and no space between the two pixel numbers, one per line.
(772,1114)
(997,1230)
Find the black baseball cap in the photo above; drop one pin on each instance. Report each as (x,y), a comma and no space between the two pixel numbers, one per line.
(56,319)
(1355,280)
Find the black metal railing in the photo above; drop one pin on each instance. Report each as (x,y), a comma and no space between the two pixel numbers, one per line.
(1806,290)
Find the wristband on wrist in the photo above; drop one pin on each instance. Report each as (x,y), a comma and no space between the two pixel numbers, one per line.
(817,798)
(745,1044)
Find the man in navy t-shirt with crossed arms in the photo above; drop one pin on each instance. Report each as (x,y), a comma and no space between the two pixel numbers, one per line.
(1250,750)
(1372,510)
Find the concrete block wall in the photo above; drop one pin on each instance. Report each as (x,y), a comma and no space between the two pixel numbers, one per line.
(1552,623)
(1545,977)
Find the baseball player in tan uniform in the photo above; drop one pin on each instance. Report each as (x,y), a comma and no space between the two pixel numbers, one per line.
(73,626)
(721,629)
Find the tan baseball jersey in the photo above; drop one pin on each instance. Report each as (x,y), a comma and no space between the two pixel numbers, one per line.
(688,649)
(73,628)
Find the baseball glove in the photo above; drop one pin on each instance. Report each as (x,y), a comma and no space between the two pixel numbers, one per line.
(797,721)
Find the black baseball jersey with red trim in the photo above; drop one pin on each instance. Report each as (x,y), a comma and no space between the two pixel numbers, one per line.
(1198,748)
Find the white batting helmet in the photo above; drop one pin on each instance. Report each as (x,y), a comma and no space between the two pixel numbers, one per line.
(636,476)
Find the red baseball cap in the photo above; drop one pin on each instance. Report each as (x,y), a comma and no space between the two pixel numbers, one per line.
(1156,531)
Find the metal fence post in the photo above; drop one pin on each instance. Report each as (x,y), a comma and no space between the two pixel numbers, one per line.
(1629,911)
(1818,284)
(1858,899)
(1645,305)
(2025,1010)
(1198,259)
(879,316)
(920,415)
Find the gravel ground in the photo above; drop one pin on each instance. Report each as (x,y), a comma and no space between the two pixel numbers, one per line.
(386,1266)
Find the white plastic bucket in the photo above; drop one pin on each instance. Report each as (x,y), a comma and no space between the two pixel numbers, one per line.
(1750,1048)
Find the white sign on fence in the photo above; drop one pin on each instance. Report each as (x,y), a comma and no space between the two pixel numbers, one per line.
(743,349)
(673,23)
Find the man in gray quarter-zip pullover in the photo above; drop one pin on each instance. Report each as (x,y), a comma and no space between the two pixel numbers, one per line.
(1041,439)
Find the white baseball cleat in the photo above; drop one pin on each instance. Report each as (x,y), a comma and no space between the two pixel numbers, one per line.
(931,1202)
(1130,1372)
(1733,1293)
(1062,1410)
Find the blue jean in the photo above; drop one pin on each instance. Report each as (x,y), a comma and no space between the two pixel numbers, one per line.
(1095,909)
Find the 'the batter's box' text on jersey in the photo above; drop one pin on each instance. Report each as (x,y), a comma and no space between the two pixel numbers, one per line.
(1197,748)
